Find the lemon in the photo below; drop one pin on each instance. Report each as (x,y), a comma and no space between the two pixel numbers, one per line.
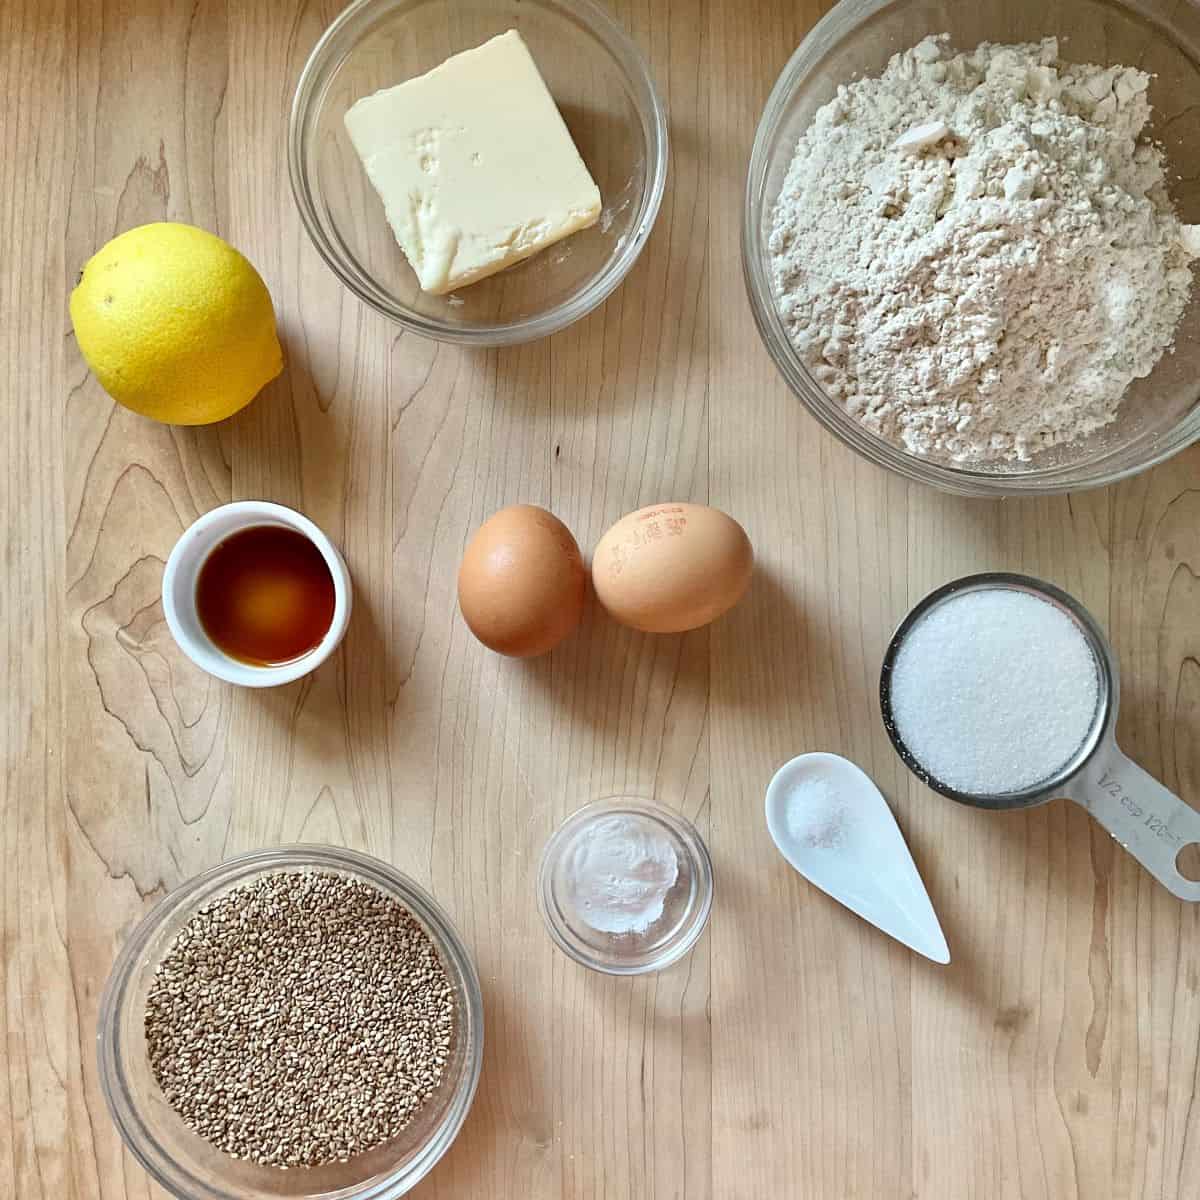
(176,324)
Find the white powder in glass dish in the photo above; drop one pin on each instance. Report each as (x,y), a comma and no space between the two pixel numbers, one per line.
(621,871)
(975,254)
(994,690)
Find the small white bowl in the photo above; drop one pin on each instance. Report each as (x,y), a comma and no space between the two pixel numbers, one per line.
(179,592)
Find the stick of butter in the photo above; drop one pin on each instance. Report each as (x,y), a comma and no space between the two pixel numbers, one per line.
(474,164)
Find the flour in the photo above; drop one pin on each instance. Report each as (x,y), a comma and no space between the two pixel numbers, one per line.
(975,254)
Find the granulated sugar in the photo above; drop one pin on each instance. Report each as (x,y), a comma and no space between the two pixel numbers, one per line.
(975,254)
(994,690)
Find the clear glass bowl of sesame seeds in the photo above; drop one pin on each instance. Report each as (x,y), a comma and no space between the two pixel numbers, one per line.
(192,1168)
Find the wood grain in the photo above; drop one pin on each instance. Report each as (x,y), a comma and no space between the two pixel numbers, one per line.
(797,1052)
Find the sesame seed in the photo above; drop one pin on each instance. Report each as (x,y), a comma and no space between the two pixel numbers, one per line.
(277,1017)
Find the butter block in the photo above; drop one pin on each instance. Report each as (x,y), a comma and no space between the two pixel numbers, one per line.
(474,164)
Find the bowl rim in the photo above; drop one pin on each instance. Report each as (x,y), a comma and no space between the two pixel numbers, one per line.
(120,1097)
(306,103)
(838,23)
(682,828)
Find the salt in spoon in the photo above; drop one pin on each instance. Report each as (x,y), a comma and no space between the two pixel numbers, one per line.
(830,821)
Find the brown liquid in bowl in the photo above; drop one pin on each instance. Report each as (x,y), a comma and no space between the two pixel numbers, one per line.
(265,595)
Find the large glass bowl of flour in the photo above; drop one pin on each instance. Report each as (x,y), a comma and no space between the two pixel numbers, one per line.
(1160,413)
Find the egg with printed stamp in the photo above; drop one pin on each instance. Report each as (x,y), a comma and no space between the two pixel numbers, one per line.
(671,567)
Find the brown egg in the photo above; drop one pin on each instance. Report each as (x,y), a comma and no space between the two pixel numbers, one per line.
(522,582)
(672,567)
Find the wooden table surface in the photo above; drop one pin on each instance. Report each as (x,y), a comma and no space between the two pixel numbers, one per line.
(797,1052)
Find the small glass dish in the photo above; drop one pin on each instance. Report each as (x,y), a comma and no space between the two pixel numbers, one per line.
(686,905)
(604,91)
(1159,414)
(193,1169)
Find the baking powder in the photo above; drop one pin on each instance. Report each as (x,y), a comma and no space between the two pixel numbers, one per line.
(622,871)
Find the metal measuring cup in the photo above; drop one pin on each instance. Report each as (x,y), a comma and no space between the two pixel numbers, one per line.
(1152,823)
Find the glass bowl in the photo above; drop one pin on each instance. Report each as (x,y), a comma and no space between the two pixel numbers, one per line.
(1159,414)
(686,905)
(604,91)
(193,1169)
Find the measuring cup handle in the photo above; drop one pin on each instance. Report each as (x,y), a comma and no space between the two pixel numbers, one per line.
(1152,823)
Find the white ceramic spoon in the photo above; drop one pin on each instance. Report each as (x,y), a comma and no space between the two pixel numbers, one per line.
(833,825)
